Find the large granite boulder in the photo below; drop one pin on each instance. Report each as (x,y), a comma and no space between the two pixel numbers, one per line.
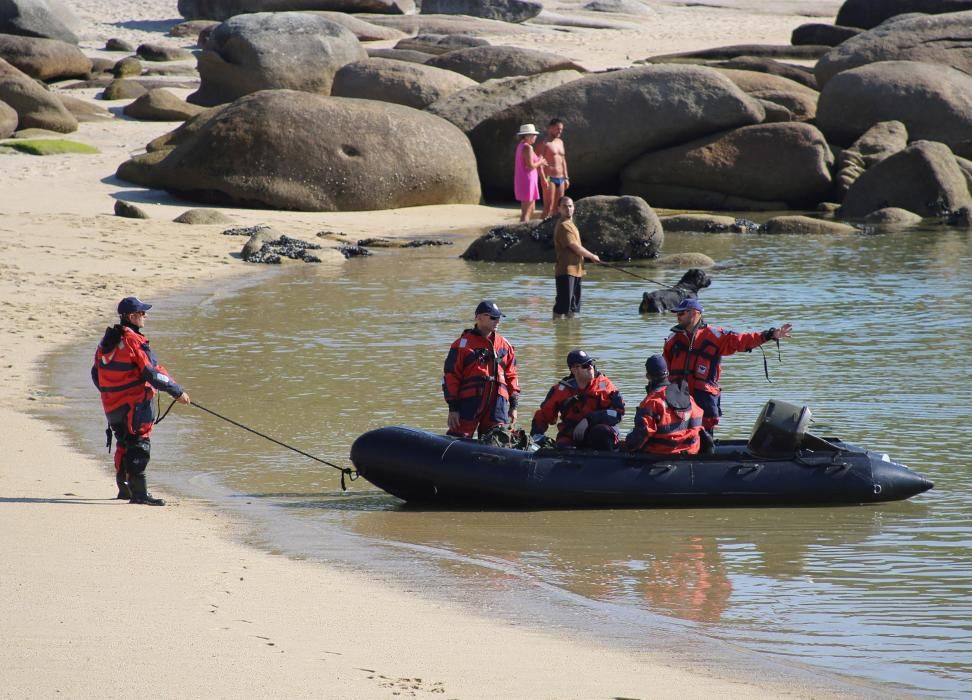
(469,107)
(613,117)
(944,39)
(36,107)
(799,74)
(37,18)
(503,10)
(436,44)
(624,7)
(362,29)
(870,13)
(452,24)
(410,84)
(486,62)
(268,51)
(224,9)
(881,141)
(934,102)
(8,120)
(44,59)
(616,228)
(818,34)
(764,166)
(286,149)
(924,178)
(160,105)
(800,100)
(83,110)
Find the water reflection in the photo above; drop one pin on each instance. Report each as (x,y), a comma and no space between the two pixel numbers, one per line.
(316,358)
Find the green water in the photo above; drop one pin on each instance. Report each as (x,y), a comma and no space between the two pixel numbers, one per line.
(315,356)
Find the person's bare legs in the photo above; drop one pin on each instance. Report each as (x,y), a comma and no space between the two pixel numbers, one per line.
(549,198)
(526,210)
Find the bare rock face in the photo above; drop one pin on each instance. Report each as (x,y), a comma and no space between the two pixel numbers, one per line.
(411,84)
(882,140)
(436,44)
(467,108)
(36,107)
(942,39)
(762,166)
(870,13)
(270,149)
(486,62)
(934,102)
(37,18)
(503,10)
(924,178)
(613,117)
(268,51)
(616,228)
(160,105)
(806,225)
(224,9)
(798,99)
(8,120)
(44,59)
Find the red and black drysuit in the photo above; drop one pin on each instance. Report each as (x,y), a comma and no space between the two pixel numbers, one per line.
(128,375)
(599,402)
(697,359)
(479,381)
(667,421)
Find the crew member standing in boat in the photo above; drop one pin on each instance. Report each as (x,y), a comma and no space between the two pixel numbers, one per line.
(479,378)
(694,353)
(128,375)
(588,404)
(668,421)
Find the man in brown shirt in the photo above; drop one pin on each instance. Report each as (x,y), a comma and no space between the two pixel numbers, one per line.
(570,262)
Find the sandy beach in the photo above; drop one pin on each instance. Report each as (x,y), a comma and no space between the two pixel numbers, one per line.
(100,598)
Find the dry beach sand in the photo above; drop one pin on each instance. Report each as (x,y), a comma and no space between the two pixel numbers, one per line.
(99,598)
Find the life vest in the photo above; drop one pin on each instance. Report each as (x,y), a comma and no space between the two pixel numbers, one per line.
(668,421)
(128,376)
(599,402)
(479,376)
(697,360)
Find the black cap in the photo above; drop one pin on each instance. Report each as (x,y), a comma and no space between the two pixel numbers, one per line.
(579,357)
(132,305)
(656,366)
(488,306)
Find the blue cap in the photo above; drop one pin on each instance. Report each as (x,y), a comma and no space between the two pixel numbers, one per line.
(488,306)
(131,305)
(579,357)
(656,366)
(688,304)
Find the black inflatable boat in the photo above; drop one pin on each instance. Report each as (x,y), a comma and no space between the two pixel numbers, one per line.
(780,464)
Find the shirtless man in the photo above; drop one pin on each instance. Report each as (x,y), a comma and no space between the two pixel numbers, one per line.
(555,178)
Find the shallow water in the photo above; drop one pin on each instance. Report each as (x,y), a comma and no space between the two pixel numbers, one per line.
(314,357)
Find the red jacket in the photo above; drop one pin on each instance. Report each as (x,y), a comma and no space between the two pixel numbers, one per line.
(663,428)
(599,402)
(697,359)
(479,376)
(128,376)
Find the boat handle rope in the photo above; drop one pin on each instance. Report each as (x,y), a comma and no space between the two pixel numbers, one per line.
(346,472)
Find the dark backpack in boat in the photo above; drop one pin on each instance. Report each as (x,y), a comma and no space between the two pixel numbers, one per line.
(502,436)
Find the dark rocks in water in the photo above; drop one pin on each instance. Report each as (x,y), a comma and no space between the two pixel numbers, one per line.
(271,252)
(391,243)
(353,251)
(738,226)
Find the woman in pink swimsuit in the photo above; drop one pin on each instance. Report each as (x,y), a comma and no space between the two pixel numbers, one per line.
(525,171)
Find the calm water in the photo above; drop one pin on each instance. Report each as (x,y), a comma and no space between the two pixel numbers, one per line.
(314,356)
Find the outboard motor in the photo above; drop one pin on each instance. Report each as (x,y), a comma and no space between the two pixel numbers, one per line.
(780,429)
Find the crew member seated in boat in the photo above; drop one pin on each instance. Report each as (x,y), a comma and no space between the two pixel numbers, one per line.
(479,378)
(588,404)
(694,353)
(668,421)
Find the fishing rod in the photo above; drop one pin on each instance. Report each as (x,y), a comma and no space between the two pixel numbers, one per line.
(345,471)
(629,272)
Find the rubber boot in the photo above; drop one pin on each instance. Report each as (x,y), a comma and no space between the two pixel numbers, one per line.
(124,493)
(140,494)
